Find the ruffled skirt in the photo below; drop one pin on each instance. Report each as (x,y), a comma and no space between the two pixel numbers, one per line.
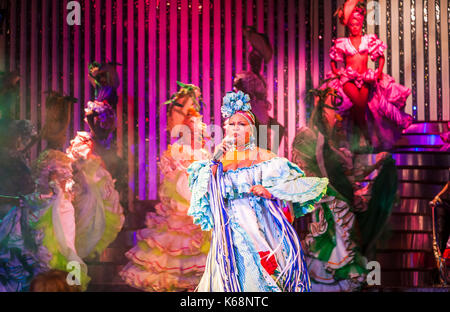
(333,259)
(385,115)
(171,251)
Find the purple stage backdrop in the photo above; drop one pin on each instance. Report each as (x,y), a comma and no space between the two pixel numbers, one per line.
(201,41)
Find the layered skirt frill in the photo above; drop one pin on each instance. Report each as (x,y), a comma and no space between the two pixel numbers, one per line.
(385,115)
(170,253)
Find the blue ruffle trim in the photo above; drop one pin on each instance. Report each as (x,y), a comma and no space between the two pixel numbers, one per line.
(282,178)
(199,179)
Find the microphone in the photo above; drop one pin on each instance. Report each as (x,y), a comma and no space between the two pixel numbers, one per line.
(220,151)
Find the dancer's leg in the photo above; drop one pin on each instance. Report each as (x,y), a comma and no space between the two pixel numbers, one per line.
(359,98)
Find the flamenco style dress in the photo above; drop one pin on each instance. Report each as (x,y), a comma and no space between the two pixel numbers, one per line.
(254,246)
(98,212)
(387,99)
(171,251)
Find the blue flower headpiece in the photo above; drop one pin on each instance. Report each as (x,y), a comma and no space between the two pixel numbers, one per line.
(233,102)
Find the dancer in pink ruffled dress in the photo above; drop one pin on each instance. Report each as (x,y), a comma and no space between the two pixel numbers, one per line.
(372,102)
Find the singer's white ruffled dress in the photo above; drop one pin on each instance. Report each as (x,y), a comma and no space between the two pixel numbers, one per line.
(254,247)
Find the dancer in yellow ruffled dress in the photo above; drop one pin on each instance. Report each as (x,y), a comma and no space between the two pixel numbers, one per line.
(171,251)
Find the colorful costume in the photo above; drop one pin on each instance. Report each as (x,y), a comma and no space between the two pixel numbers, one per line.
(253,246)
(57,222)
(249,230)
(171,251)
(20,243)
(38,232)
(336,250)
(54,180)
(387,99)
(22,254)
(98,212)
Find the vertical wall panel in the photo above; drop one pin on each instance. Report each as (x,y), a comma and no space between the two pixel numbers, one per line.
(141,100)
(162,75)
(34,71)
(383,35)
(407,52)
(66,70)
(340,27)
(445,14)
(206,59)
(173,49)
(315,43)
(44,62)
(395,66)
(23,59)
(55,46)
(77,65)
(260,16)
(130,101)
(98,31)
(87,56)
(120,72)
(66,52)
(248,22)
(152,102)
(438,60)
(3,44)
(420,61)
(195,52)
(108,31)
(431,59)
(270,30)
(280,71)
(238,31)
(228,60)
(217,63)
(370,30)
(413,57)
(173,46)
(328,19)
(13,35)
(291,75)
(184,41)
(301,66)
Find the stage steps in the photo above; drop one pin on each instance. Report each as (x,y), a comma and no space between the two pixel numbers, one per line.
(406,259)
